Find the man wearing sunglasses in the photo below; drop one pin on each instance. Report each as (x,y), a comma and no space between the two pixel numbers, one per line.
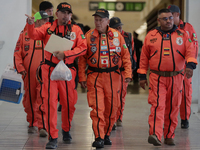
(164,51)
(185,109)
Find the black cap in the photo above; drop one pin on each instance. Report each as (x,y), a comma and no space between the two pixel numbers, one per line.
(64,7)
(174,8)
(101,13)
(40,15)
(45,5)
(115,22)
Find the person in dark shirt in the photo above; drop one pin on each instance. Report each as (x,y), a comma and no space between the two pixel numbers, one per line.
(137,46)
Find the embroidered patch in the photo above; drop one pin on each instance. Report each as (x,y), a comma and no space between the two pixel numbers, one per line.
(93,49)
(26,47)
(115,34)
(82,36)
(93,60)
(115,59)
(116,41)
(179,40)
(73,36)
(118,49)
(153,40)
(124,45)
(165,36)
(166,52)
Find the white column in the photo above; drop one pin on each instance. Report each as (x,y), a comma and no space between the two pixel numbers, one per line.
(13,20)
(192,11)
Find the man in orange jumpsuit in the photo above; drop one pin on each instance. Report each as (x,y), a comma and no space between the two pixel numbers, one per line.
(27,57)
(165,50)
(185,108)
(115,23)
(67,92)
(105,54)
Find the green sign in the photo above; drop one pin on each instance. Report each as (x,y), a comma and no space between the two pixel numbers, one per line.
(117,6)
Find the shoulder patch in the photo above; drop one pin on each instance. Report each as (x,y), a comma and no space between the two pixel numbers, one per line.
(49,31)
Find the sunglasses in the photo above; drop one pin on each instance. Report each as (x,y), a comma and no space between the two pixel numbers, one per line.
(166,18)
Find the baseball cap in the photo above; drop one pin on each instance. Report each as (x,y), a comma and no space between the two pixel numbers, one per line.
(64,7)
(40,15)
(101,13)
(173,8)
(115,22)
(45,5)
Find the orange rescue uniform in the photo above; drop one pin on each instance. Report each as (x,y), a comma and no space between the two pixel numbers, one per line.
(66,89)
(27,57)
(165,53)
(124,85)
(185,108)
(105,54)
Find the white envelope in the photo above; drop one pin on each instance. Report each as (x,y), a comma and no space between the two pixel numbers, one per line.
(56,43)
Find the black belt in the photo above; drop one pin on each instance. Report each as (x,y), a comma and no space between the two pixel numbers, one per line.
(167,73)
(121,69)
(103,70)
(54,65)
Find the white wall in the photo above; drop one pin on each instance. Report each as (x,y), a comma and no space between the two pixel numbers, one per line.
(192,11)
(13,19)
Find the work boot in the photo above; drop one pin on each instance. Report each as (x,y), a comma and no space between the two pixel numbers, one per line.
(98,143)
(114,127)
(119,123)
(43,133)
(52,144)
(169,141)
(107,140)
(154,140)
(32,129)
(184,124)
(59,108)
(66,137)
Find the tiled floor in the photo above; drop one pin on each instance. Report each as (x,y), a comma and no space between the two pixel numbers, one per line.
(132,136)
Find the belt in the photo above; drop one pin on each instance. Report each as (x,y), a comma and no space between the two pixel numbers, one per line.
(103,70)
(166,73)
(54,65)
(121,69)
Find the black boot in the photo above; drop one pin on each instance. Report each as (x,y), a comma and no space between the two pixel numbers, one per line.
(59,108)
(114,127)
(66,137)
(107,140)
(52,144)
(184,124)
(98,143)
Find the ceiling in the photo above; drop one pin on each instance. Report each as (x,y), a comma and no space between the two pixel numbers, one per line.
(80,8)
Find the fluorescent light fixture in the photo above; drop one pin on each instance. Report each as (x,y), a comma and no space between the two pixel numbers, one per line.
(112,13)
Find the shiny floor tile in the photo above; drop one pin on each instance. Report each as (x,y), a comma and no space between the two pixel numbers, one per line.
(131,136)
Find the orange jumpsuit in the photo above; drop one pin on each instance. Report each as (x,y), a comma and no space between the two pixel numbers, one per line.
(165,52)
(124,85)
(27,57)
(66,89)
(185,109)
(105,54)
